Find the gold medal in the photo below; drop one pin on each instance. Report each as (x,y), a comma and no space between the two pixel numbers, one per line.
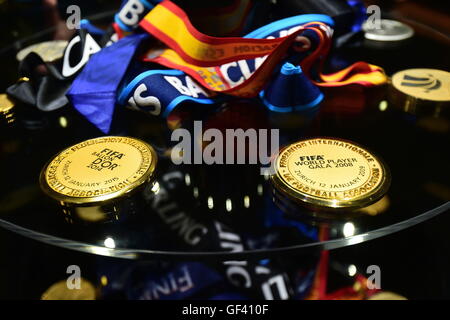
(387,295)
(61,291)
(421,91)
(6,109)
(49,51)
(330,173)
(93,173)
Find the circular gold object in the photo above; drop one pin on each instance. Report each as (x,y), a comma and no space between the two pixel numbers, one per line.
(421,91)
(330,173)
(60,291)
(99,169)
(49,50)
(6,108)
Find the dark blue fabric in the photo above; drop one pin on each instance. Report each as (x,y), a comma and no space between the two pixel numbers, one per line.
(181,281)
(93,93)
(161,91)
(91,29)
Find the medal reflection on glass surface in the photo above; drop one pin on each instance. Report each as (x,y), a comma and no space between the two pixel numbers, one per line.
(60,290)
(94,180)
(233,184)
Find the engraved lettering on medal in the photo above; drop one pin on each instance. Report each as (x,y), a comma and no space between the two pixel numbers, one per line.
(105,160)
(109,172)
(330,172)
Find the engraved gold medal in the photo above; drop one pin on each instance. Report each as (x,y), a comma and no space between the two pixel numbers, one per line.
(330,173)
(99,169)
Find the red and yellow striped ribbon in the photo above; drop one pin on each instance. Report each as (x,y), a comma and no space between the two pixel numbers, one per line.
(170,24)
(200,55)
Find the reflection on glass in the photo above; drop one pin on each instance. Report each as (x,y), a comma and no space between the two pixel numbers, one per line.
(383,105)
(63,122)
(247,201)
(349,229)
(260,189)
(155,188)
(210,203)
(228,205)
(352,270)
(104,281)
(109,243)
(187,179)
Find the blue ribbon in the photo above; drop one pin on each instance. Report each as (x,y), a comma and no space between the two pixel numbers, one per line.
(169,97)
(160,91)
(131,12)
(93,93)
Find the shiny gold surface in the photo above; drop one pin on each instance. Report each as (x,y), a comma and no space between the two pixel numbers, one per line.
(387,295)
(5,103)
(376,208)
(330,173)
(421,91)
(49,50)
(432,85)
(98,169)
(60,291)
(6,108)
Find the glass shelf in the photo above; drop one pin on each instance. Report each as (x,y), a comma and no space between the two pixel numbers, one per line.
(416,151)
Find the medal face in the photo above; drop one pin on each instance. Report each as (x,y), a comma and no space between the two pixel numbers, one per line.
(332,173)
(425,84)
(99,169)
(387,30)
(49,50)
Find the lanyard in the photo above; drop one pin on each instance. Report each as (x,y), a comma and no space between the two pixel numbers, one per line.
(160,91)
(206,66)
(204,57)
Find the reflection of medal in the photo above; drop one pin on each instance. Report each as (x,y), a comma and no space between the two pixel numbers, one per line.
(330,173)
(60,291)
(386,295)
(96,177)
(49,51)
(6,109)
(421,91)
(387,30)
